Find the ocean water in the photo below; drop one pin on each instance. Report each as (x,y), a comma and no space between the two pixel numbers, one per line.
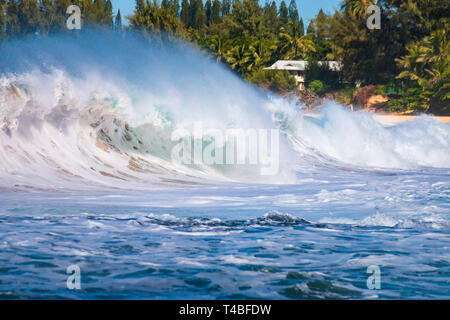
(86,179)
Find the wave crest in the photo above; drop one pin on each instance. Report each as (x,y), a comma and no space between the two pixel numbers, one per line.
(91,113)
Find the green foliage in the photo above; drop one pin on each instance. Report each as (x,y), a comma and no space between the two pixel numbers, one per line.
(149,16)
(369,55)
(197,14)
(245,20)
(345,95)
(249,56)
(208,11)
(322,72)
(294,45)
(320,29)
(293,13)
(283,15)
(357,8)
(185,14)
(412,100)
(391,88)
(301,27)
(271,17)
(427,66)
(215,12)
(317,86)
(226,7)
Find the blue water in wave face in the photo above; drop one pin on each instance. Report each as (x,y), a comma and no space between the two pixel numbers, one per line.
(87,182)
(307,241)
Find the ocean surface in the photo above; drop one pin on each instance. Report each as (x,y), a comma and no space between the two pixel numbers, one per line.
(87,180)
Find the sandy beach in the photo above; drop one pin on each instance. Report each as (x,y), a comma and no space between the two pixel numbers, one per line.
(394,119)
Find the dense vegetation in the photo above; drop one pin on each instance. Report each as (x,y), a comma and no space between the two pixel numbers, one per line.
(407,60)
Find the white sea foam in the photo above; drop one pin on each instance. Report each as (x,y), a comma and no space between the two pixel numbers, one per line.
(72,117)
(358,139)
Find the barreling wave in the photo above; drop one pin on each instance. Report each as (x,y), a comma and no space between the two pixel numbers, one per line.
(100,110)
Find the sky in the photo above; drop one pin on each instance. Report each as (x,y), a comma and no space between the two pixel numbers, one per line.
(308,9)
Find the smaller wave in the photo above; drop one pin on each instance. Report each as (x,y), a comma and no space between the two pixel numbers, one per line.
(274,219)
(270,219)
(398,222)
(337,135)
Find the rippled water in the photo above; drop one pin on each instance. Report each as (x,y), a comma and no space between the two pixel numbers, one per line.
(306,241)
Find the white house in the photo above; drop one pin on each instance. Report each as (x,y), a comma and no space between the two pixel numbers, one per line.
(297,69)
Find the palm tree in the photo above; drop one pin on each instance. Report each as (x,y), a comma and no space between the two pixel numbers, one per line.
(427,59)
(295,45)
(357,7)
(218,46)
(428,64)
(414,62)
(237,58)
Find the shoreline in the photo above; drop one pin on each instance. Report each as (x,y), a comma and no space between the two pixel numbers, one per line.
(390,119)
(396,118)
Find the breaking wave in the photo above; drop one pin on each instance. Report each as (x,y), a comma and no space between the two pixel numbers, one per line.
(100,111)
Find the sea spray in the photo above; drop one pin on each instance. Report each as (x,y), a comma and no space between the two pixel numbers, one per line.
(103,113)
(100,110)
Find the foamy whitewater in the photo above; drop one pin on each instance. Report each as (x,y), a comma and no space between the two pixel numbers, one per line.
(86,179)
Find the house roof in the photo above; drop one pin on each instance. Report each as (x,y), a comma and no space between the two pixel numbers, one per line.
(300,65)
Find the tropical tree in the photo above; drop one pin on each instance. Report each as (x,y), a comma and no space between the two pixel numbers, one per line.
(283,15)
(294,45)
(215,12)
(258,53)
(427,65)
(357,8)
(226,7)
(218,46)
(237,58)
(271,17)
(293,13)
(185,14)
